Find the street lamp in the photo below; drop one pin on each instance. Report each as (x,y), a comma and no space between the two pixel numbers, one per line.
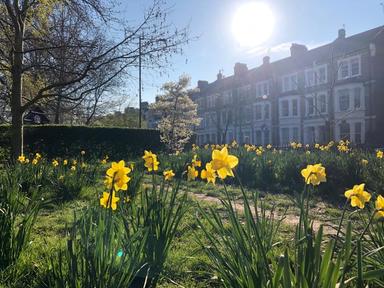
(140,39)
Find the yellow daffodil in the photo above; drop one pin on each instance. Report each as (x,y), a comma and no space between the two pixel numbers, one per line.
(208,173)
(314,174)
(83,165)
(269,146)
(317,145)
(379,205)
(21,159)
(74,162)
(103,161)
(358,196)
(168,175)
(379,154)
(65,162)
(35,161)
(364,161)
(109,203)
(234,144)
(118,174)
(307,152)
(192,173)
(151,162)
(73,168)
(38,156)
(223,163)
(55,163)
(195,162)
(206,146)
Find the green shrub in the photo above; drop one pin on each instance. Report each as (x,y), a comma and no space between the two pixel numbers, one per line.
(64,141)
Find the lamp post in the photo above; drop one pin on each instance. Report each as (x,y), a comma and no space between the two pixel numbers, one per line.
(140,39)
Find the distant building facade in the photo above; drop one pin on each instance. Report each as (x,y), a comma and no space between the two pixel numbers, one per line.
(332,92)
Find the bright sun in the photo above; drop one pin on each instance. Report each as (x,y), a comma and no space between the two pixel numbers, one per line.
(253,24)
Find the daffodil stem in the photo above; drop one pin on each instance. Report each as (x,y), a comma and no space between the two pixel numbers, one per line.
(339,227)
(348,267)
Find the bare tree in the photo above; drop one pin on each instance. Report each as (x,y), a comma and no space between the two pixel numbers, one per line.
(28,55)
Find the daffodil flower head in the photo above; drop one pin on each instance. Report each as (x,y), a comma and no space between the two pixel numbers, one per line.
(379,205)
(118,175)
(21,159)
(379,154)
(192,173)
(108,201)
(195,162)
(55,163)
(358,196)
(208,173)
(168,175)
(223,163)
(314,174)
(150,160)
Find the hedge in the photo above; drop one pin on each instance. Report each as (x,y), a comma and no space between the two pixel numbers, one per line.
(64,140)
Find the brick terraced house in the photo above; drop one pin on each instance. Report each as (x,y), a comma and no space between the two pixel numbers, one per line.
(332,92)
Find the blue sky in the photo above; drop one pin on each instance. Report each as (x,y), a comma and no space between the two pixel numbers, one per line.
(308,22)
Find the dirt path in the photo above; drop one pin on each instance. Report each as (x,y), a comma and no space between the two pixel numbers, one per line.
(290,219)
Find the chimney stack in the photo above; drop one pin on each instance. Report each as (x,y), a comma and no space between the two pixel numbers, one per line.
(202,84)
(266,60)
(240,69)
(341,34)
(298,50)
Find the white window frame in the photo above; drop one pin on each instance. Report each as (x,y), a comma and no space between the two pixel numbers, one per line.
(260,88)
(290,100)
(348,61)
(315,75)
(291,86)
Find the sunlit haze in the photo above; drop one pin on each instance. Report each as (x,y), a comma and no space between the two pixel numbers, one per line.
(253,24)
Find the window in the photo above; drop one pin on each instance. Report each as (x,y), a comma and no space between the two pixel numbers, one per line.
(246,137)
(357,97)
(294,107)
(358,133)
(349,67)
(284,136)
(311,106)
(343,99)
(310,78)
(343,69)
(355,67)
(322,75)
(258,136)
(258,115)
(248,114)
(262,88)
(289,82)
(322,103)
(295,134)
(344,131)
(284,108)
(266,111)
(266,137)
(316,76)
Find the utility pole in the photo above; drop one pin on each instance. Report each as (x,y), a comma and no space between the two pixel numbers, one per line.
(140,38)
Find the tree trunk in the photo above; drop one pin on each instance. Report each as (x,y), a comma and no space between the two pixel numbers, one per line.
(17,88)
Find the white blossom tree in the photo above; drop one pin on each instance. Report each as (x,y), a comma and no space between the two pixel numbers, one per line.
(178,114)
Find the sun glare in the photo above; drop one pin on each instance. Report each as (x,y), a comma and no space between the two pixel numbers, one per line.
(253,24)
